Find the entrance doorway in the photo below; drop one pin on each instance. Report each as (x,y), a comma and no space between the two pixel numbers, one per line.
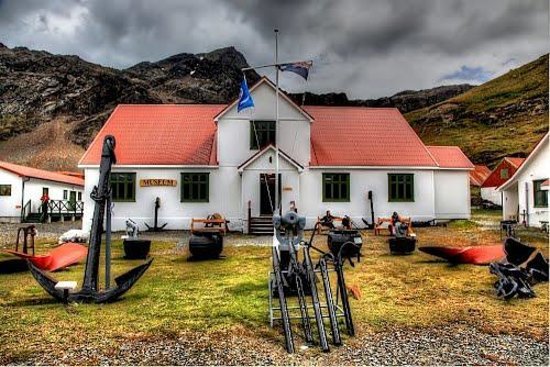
(72,200)
(267,193)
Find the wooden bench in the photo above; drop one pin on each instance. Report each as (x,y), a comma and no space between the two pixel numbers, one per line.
(379,225)
(321,226)
(66,286)
(217,224)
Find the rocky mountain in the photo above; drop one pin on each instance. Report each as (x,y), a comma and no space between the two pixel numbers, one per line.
(51,106)
(505,116)
(70,95)
(405,101)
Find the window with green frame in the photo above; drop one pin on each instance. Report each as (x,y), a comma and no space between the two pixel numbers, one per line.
(504,173)
(336,186)
(400,187)
(262,133)
(541,196)
(5,190)
(195,187)
(123,186)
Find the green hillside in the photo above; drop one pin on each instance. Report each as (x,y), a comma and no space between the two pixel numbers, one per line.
(505,116)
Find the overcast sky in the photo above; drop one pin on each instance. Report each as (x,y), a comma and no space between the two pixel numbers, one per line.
(367,48)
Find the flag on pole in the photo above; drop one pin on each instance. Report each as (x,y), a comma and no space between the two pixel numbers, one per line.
(245,99)
(301,68)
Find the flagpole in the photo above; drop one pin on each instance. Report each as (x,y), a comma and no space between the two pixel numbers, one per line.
(277,132)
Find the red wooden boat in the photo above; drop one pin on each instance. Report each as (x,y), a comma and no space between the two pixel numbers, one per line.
(60,257)
(477,255)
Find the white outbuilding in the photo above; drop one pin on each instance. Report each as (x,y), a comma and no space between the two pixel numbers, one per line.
(200,159)
(525,194)
(22,188)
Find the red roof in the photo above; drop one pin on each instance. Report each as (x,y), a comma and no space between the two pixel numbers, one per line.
(514,161)
(497,177)
(72,173)
(161,134)
(25,171)
(479,174)
(450,157)
(359,136)
(168,134)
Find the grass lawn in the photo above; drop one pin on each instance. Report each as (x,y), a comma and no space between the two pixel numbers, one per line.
(176,296)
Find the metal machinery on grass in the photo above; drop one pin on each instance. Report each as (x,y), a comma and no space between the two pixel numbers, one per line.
(90,291)
(295,282)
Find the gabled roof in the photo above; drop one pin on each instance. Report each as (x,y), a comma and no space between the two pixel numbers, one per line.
(186,135)
(515,161)
(479,174)
(265,80)
(509,163)
(24,171)
(250,160)
(542,143)
(450,157)
(360,136)
(159,134)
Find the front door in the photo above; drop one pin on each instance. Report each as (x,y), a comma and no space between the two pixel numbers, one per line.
(72,200)
(267,193)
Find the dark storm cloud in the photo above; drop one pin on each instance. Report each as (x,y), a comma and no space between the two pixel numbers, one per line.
(367,48)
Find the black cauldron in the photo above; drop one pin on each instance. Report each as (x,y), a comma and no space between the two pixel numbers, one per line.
(206,245)
(337,239)
(402,245)
(136,249)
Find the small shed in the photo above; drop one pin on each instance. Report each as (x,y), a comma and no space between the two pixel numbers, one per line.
(500,174)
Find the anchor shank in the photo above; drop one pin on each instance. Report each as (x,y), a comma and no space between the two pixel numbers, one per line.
(99,195)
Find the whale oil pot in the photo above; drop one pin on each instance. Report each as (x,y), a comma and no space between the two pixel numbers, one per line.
(136,249)
(206,245)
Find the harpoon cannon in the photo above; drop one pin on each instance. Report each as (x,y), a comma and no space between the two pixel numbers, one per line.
(294,283)
(90,291)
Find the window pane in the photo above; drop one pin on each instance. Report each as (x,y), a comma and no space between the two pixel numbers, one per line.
(336,186)
(401,187)
(5,190)
(194,186)
(123,186)
(343,191)
(129,191)
(540,196)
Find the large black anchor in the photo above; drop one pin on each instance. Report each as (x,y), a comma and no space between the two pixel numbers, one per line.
(90,291)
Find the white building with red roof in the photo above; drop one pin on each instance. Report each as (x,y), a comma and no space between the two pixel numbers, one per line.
(22,188)
(498,176)
(210,158)
(525,193)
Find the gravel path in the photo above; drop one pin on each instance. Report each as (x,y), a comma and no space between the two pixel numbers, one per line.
(451,345)
(47,232)
(50,232)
